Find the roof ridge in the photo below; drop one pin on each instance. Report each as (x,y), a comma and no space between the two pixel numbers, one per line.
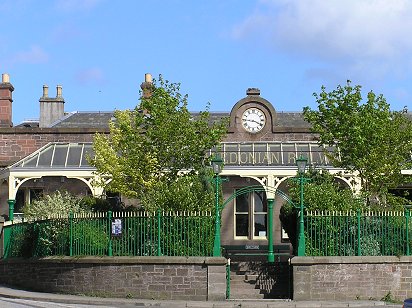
(95,111)
(68,115)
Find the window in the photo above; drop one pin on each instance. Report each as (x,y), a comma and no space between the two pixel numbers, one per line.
(242,215)
(251,215)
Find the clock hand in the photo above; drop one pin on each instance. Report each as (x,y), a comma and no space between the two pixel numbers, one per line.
(252,120)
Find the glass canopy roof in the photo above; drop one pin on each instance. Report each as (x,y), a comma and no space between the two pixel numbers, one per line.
(59,155)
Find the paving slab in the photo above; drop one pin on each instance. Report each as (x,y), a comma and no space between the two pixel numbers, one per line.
(10,292)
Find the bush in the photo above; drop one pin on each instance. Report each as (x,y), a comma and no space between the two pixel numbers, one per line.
(55,204)
(51,235)
(321,192)
(192,192)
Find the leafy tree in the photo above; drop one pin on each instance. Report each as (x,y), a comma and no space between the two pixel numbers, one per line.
(322,193)
(151,149)
(367,137)
(187,193)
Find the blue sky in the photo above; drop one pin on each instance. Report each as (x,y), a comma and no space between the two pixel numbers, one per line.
(99,50)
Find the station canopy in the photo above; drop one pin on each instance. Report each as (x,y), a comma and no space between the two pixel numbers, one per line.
(58,155)
(55,159)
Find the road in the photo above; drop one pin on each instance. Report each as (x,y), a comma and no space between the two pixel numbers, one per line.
(6,302)
(24,303)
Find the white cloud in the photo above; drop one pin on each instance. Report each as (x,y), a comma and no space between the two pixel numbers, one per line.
(32,56)
(90,76)
(358,33)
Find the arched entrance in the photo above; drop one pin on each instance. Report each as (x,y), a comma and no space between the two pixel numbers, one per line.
(254,272)
(262,206)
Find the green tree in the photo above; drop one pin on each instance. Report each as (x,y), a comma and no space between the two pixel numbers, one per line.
(157,147)
(321,193)
(367,137)
(192,192)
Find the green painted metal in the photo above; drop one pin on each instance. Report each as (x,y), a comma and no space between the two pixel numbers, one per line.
(71,234)
(110,247)
(301,236)
(17,240)
(266,189)
(357,233)
(180,234)
(358,217)
(159,239)
(228,279)
(407,216)
(217,164)
(6,241)
(11,203)
(217,252)
(258,188)
(271,254)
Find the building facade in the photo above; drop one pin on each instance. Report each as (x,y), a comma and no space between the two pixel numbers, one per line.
(260,150)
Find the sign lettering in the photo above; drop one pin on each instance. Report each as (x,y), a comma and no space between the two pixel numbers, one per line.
(270,154)
(254,247)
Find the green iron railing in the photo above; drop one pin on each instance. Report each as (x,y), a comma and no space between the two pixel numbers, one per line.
(228,279)
(113,234)
(357,233)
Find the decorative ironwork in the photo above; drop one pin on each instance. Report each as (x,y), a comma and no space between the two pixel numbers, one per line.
(142,234)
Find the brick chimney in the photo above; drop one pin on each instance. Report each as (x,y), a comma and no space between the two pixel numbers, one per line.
(6,89)
(51,109)
(147,86)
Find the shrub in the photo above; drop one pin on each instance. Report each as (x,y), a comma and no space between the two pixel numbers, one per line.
(55,204)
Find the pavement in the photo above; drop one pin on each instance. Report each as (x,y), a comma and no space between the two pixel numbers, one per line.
(9,292)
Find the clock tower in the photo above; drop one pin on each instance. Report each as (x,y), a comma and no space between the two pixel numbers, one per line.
(252,118)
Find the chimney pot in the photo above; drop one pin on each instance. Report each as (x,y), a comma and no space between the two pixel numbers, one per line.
(59,91)
(6,99)
(51,108)
(45,90)
(5,78)
(147,86)
(148,78)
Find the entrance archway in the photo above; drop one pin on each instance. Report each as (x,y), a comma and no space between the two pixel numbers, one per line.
(271,194)
(269,190)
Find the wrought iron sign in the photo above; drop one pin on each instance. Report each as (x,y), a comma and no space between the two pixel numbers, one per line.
(271,153)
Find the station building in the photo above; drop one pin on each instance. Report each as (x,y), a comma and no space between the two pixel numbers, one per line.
(260,149)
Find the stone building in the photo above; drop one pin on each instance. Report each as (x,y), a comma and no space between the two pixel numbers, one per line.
(260,149)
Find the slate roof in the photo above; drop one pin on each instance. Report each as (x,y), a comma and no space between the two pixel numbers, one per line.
(96,119)
(291,119)
(100,119)
(28,123)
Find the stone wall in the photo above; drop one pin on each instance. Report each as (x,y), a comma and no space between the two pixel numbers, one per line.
(350,278)
(184,278)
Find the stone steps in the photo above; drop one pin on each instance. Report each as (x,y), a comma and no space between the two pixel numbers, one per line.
(251,281)
(243,285)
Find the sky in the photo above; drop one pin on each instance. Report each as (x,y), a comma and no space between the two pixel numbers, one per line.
(99,50)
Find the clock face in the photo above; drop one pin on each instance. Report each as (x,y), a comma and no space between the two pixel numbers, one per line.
(253,120)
